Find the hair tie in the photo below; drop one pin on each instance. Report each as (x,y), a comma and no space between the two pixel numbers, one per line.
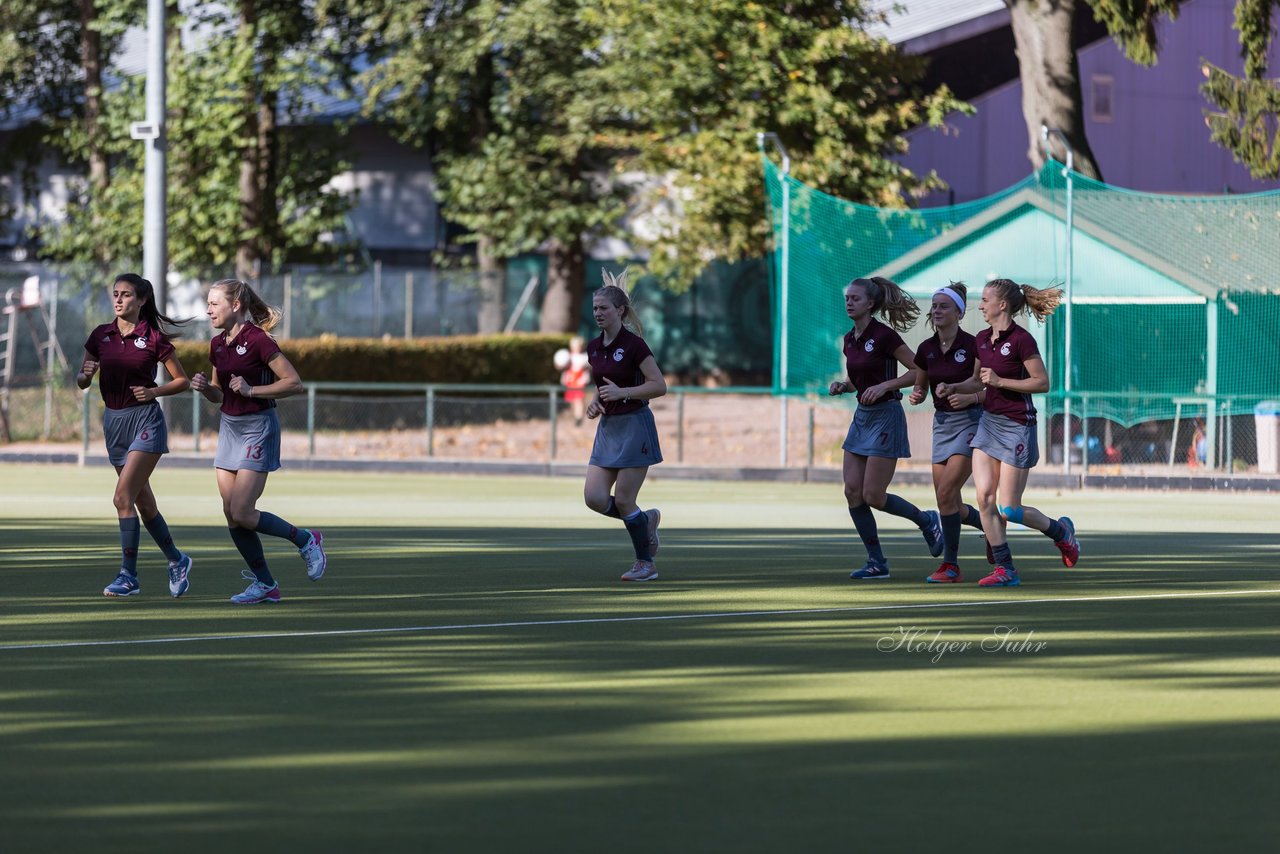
(955,298)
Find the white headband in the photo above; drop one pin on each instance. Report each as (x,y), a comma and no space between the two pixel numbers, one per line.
(955,298)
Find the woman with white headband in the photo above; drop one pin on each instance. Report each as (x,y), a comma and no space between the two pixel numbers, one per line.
(1008,371)
(948,357)
(877,438)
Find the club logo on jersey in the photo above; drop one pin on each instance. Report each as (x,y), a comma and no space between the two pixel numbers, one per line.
(618,354)
(960,356)
(241,349)
(106,337)
(140,343)
(870,345)
(1004,351)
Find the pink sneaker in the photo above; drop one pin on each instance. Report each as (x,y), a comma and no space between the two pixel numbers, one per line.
(1002,577)
(948,573)
(641,570)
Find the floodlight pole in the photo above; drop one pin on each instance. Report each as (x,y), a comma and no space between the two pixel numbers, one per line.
(784,250)
(1045,132)
(154,237)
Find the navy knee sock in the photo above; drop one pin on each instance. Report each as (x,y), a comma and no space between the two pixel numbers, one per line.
(249,545)
(899,506)
(612,510)
(158,528)
(129,536)
(971,516)
(951,538)
(638,527)
(1004,557)
(1057,531)
(273,525)
(865,522)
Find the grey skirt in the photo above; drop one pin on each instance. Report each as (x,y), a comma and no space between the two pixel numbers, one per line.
(134,428)
(249,442)
(953,431)
(627,441)
(879,430)
(1007,441)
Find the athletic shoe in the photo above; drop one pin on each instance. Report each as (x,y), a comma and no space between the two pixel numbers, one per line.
(178,571)
(1068,545)
(948,573)
(641,570)
(256,592)
(655,519)
(124,585)
(871,570)
(1002,577)
(932,531)
(313,554)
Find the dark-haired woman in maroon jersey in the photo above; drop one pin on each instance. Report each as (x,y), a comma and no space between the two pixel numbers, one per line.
(125,353)
(1009,371)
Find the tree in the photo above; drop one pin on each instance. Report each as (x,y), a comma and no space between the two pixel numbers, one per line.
(1246,120)
(687,85)
(492,90)
(245,184)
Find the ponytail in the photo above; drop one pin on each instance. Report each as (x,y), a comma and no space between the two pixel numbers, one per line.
(890,301)
(148,311)
(1039,302)
(615,290)
(264,316)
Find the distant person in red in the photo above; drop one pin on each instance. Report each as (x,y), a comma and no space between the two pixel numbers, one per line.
(249,375)
(627,377)
(877,436)
(948,356)
(124,353)
(575,374)
(1005,448)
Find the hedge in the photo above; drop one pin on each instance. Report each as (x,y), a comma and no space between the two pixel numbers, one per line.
(500,359)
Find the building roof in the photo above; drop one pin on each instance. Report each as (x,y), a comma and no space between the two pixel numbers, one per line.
(921,25)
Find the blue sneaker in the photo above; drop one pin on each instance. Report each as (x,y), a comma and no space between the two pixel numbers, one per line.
(933,532)
(178,571)
(256,592)
(124,585)
(871,570)
(1002,576)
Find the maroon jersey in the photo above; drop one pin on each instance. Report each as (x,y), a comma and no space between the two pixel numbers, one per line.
(125,361)
(619,362)
(869,360)
(245,357)
(1005,357)
(947,366)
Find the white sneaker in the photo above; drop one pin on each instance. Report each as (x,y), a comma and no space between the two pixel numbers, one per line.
(313,554)
(655,519)
(256,592)
(641,570)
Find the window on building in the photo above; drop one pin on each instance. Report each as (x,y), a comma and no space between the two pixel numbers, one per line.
(1103,94)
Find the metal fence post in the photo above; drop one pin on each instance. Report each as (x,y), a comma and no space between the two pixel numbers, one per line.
(311,421)
(195,420)
(1084,430)
(551,418)
(679,426)
(408,304)
(782,432)
(84,428)
(811,435)
(431,421)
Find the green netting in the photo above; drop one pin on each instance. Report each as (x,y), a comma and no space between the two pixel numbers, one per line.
(1172,298)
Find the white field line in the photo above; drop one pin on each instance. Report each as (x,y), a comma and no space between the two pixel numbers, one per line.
(653,618)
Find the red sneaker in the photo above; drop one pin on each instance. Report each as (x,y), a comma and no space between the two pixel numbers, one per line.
(1002,577)
(1069,545)
(948,573)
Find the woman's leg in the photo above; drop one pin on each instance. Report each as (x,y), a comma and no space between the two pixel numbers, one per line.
(132,478)
(948,478)
(240,491)
(855,474)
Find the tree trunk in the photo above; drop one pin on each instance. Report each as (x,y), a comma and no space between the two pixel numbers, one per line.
(91,65)
(248,257)
(493,279)
(566,287)
(1042,33)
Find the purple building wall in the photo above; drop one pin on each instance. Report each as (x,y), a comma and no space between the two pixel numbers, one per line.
(1155,138)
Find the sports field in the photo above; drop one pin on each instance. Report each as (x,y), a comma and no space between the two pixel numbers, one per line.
(470,675)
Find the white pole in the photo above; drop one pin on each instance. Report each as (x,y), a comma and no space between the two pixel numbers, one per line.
(1066,292)
(1211,384)
(784,276)
(154,260)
